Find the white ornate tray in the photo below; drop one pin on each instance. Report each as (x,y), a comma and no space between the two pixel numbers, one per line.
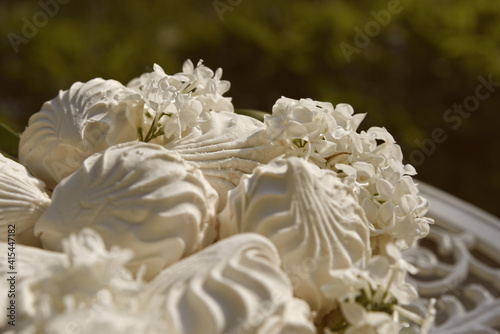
(459,265)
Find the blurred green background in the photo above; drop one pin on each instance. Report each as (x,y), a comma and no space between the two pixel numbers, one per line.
(405,63)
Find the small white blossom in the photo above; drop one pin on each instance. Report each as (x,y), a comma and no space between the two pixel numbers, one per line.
(177,103)
(300,124)
(86,288)
(370,161)
(371,299)
(362,321)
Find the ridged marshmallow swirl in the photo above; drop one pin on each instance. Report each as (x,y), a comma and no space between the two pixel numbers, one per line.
(225,147)
(52,288)
(22,200)
(233,286)
(139,196)
(313,219)
(85,119)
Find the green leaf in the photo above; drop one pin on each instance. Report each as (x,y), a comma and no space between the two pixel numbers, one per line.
(9,141)
(257,114)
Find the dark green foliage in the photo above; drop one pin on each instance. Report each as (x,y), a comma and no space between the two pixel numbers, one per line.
(9,141)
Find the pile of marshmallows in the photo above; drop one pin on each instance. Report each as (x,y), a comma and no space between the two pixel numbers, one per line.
(154,208)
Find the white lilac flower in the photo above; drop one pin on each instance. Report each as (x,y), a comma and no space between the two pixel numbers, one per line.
(388,194)
(84,288)
(369,161)
(300,124)
(233,286)
(371,299)
(176,103)
(379,285)
(205,85)
(362,321)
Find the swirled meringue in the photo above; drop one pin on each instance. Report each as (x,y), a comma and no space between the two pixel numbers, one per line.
(233,286)
(85,119)
(84,289)
(139,196)
(313,219)
(23,198)
(226,146)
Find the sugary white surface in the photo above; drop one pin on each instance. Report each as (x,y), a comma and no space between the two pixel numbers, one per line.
(85,119)
(234,286)
(139,196)
(225,147)
(312,218)
(23,199)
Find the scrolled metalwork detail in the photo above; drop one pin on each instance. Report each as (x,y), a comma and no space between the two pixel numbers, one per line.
(457,268)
